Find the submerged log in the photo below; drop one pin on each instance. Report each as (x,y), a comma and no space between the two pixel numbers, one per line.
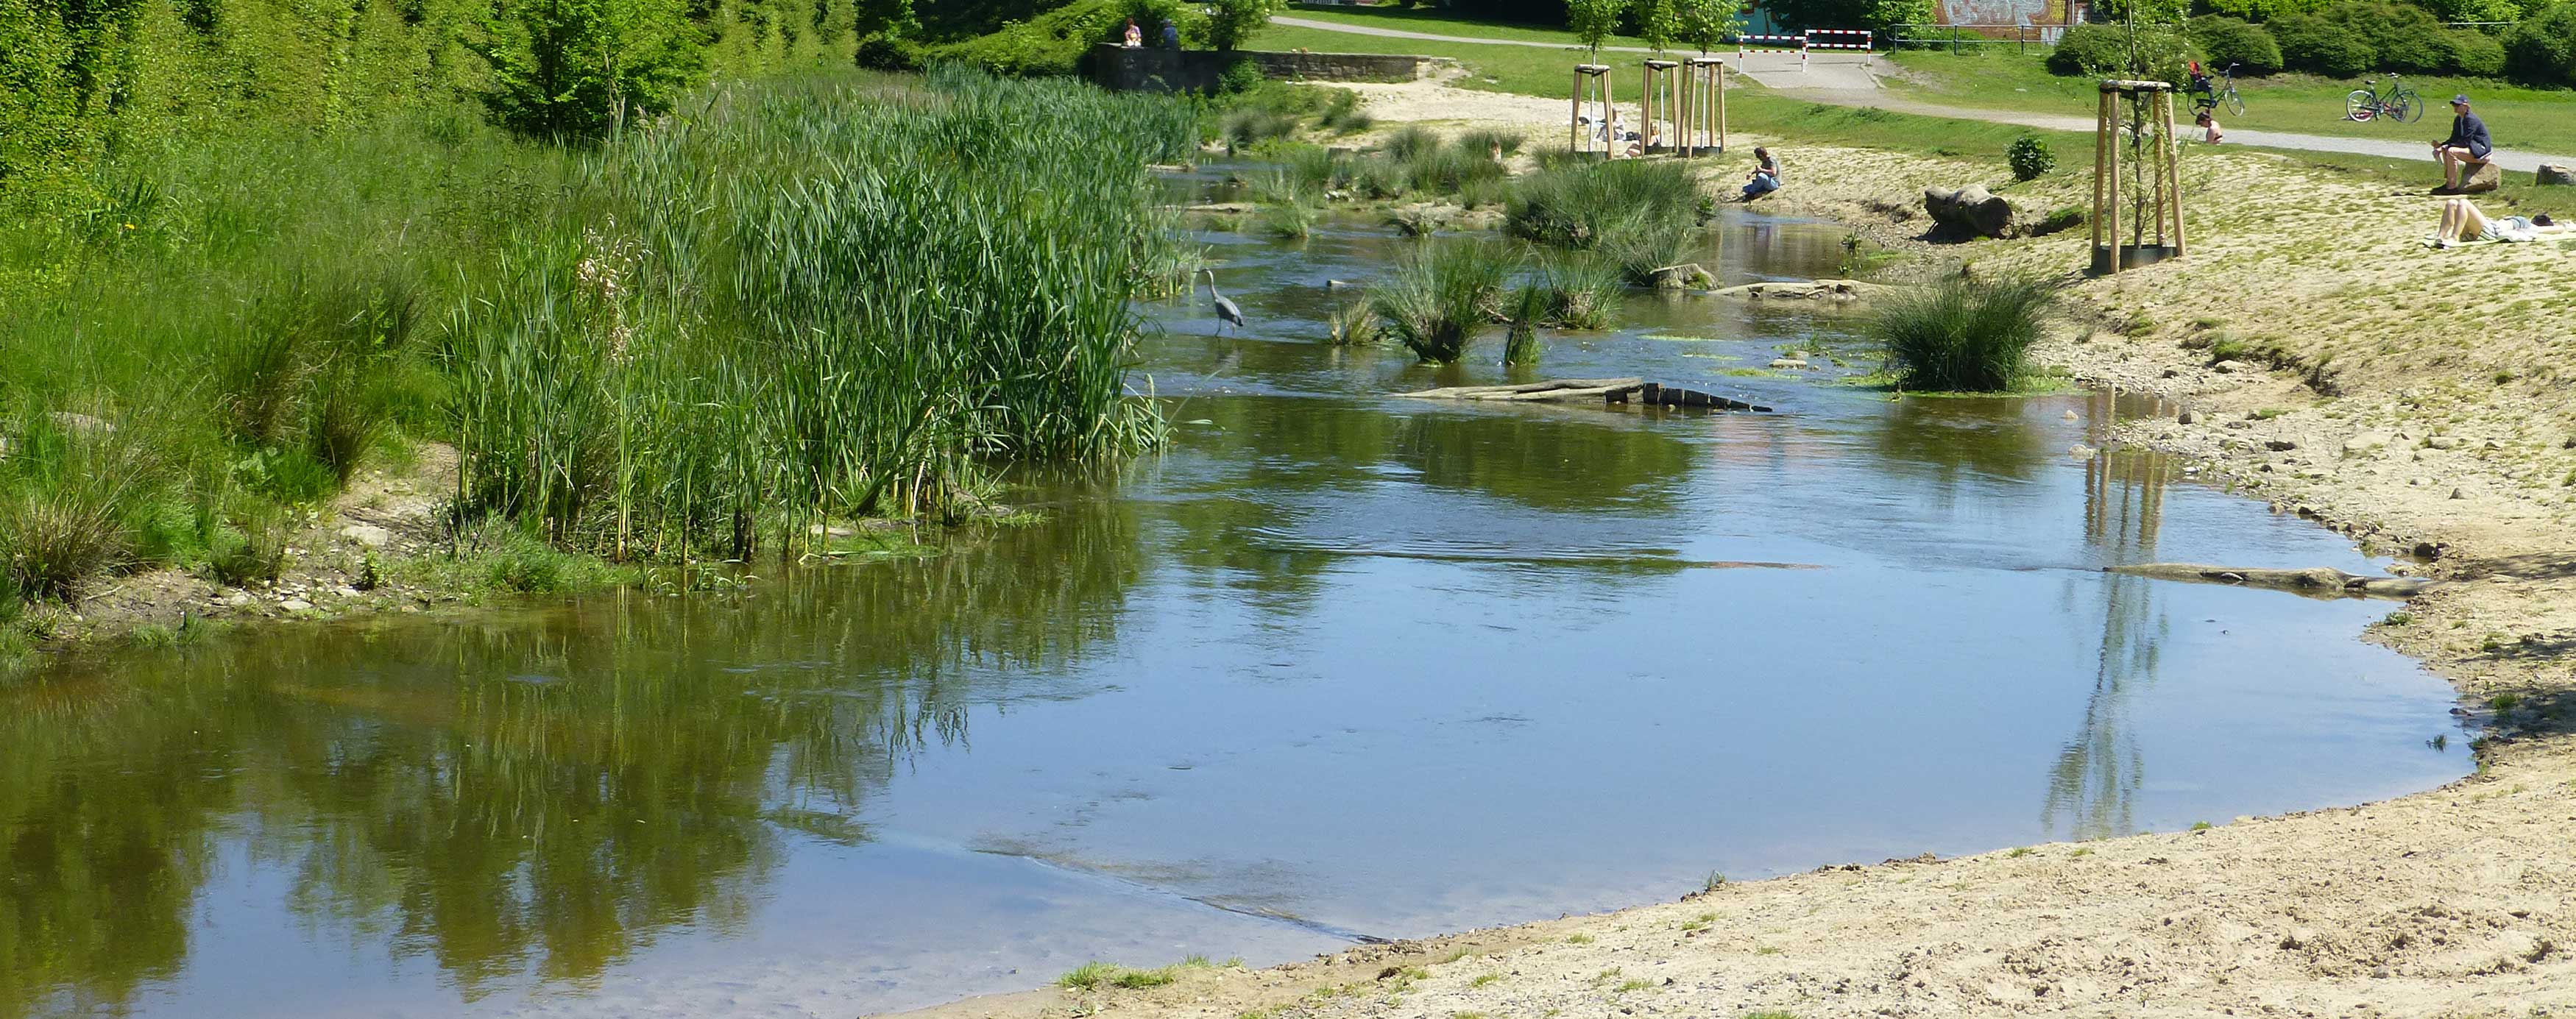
(2314,580)
(1607,391)
(1836,291)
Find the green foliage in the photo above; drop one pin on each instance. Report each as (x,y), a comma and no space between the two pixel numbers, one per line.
(1442,296)
(881,51)
(1962,335)
(2224,40)
(1657,23)
(1707,23)
(1592,21)
(1054,43)
(2319,46)
(1342,113)
(1529,307)
(1640,215)
(1584,290)
(2265,10)
(574,68)
(2090,51)
(1880,16)
(2404,37)
(1230,22)
(2030,157)
(2475,53)
(1241,76)
(2542,49)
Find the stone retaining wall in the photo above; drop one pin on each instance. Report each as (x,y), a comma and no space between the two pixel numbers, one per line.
(1161,70)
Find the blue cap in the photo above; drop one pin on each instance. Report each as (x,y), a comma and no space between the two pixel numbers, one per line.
(2460,100)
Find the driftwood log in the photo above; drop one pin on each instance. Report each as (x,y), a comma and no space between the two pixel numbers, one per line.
(1605,391)
(1805,290)
(2314,580)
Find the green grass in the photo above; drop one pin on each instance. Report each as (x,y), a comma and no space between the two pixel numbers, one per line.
(1962,335)
(2542,120)
(1485,979)
(1440,298)
(1094,975)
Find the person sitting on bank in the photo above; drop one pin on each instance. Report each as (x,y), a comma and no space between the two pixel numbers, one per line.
(2208,119)
(2465,151)
(1765,177)
(1135,37)
(2461,221)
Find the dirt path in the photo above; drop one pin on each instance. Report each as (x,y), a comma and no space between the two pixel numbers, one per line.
(1843,81)
(2348,393)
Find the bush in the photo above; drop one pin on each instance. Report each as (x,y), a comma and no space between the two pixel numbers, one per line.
(2476,54)
(2224,41)
(1963,335)
(2090,51)
(883,52)
(569,68)
(2313,44)
(1239,77)
(2405,37)
(2542,50)
(2030,157)
(1230,22)
(1441,297)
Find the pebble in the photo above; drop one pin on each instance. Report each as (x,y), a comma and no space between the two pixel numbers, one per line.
(2185,418)
(1787,362)
(2279,445)
(295,605)
(368,535)
(2444,442)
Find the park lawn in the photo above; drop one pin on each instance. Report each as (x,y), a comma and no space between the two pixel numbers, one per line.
(2529,119)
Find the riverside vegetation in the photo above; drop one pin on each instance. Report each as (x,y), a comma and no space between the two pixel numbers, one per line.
(811,297)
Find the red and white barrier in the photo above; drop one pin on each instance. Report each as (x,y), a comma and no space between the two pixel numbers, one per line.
(1860,39)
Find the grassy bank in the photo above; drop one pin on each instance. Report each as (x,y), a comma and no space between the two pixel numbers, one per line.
(809,298)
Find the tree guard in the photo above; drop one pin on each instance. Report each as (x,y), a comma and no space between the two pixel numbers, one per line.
(2162,190)
(1703,106)
(1659,119)
(1592,85)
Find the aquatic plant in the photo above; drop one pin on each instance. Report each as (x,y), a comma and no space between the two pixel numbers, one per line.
(1292,219)
(1529,305)
(1440,297)
(1962,334)
(1576,205)
(1355,325)
(1584,290)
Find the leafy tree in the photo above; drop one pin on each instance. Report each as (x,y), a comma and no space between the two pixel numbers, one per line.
(571,68)
(1592,21)
(893,19)
(1657,23)
(1706,23)
(1230,22)
(2542,50)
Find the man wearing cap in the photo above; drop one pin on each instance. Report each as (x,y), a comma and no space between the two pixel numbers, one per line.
(2466,150)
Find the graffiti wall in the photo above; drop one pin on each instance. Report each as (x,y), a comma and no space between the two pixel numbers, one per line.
(2003,12)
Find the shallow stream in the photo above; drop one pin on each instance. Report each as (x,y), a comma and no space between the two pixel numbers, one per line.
(1334,666)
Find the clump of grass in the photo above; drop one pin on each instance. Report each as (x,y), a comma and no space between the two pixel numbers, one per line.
(1355,325)
(1291,220)
(1520,342)
(1490,143)
(1584,291)
(1963,335)
(1316,169)
(1576,205)
(1247,128)
(1410,142)
(1485,979)
(1440,298)
(1578,939)
(1342,113)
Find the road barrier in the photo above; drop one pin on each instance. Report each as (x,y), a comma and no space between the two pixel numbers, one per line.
(1858,39)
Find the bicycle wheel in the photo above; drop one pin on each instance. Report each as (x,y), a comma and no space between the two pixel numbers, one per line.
(2235,103)
(2409,109)
(2360,105)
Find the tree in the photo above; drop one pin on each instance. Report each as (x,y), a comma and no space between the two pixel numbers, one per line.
(1230,22)
(572,68)
(1706,23)
(1657,23)
(1592,21)
(893,19)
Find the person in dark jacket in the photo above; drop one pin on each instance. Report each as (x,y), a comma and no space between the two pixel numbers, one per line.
(2466,149)
(1171,35)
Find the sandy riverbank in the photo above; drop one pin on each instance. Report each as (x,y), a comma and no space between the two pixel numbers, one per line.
(2415,399)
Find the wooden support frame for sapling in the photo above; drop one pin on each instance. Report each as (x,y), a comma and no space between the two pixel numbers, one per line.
(1659,101)
(1591,85)
(1703,106)
(2161,191)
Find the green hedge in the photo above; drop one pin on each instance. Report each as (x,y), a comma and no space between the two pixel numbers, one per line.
(2542,49)
(2090,50)
(2224,40)
(2311,43)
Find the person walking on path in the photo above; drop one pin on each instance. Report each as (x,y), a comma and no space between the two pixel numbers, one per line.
(2465,151)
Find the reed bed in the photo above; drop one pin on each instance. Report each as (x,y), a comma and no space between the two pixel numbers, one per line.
(795,304)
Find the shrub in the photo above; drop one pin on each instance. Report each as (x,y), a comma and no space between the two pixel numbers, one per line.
(2224,40)
(2476,54)
(2542,49)
(1440,297)
(2316,45)
(2030,157)
(2405,37)
(1963,335)
(1230,22)
(1239,77)
(1342,113)
(569,68)
(2090,51)
(881,51)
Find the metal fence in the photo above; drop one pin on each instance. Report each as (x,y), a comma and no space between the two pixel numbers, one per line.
(2022,36)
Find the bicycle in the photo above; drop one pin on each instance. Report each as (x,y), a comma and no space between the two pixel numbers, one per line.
(2211,93)
(2398,104)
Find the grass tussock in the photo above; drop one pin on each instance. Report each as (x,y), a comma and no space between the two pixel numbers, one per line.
(1963,335)
(1529,307)
(1584,290)
(1442,297)
(1642,216)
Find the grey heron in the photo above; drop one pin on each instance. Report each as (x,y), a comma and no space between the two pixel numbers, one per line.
(1226,311)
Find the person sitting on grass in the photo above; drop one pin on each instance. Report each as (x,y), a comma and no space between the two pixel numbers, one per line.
(2465,151)
(2209,119)
(1765,177)
(2461,221)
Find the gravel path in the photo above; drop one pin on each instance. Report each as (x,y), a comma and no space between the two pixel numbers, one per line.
(1842,81)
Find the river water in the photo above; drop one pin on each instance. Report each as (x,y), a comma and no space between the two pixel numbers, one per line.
(1334,666)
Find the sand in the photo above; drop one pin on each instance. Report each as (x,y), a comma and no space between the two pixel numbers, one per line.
(2424,403)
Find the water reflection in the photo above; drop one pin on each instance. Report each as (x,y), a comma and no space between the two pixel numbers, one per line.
(530,797)
(2094,785)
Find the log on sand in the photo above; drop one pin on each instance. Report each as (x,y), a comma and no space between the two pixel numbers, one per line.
(2314,580)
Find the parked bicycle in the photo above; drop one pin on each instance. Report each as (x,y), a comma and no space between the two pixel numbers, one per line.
(2399,104)
(2209,93)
